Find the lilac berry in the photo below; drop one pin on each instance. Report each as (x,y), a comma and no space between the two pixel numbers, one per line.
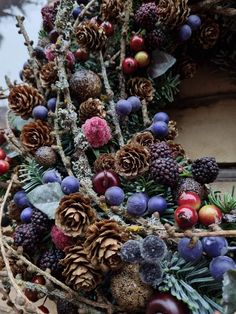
(157,204)
(114,196)
(123,107)
(220,265)
(215,246)
(194,21)
(26,214)
(185,32)
(161,116)
(18,195)
(137,204)
(40,112)
(190,252)
(76,12)
(159,129)
(135,103)
(51,104)
(51,176)
(70,185)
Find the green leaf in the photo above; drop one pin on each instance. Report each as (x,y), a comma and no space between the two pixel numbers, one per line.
(229,292)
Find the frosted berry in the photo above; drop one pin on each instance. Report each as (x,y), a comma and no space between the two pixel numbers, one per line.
(26,214)
(114,196)
(2,154)
(135,103)
(194,21)
(51,104)
(153,249)
(4,167)
(70,185)
(185,32)
(129,65)
(40,112)
(51,176)
(104,180)
(161,116)
(157,204)
(123,107)
(130,252)
(190,253)
(150,274)
(159,129)
(215,246)
(76,12)
(220,265)
(137,204)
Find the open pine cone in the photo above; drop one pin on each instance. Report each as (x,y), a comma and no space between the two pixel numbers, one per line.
(141,87)
(22,100)
(132,160)
(48,74)
(28,75)
(143,138)
(79,272)
(208,34)
(74,214)
(111,9)
(91,108)
(36,134)
(177,149)
(104,162)
(103,243)
(173,131)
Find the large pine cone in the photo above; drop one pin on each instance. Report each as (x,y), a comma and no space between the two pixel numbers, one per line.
(173,13)
(111,9)
(103,242)
(91,108)
(90,36)
(48,74)
(132,160)
(36,134)
(23,99)
(143,138)
(79,272)
(141,87)
(74,214)
(104,162)
(208,34)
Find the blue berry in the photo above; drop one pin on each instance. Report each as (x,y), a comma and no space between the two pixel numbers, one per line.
(159,129)
(161,116)
(137,204)
(51,176)
(215,246)
(185,32)
(26,214)
(123,107)
(51,104)
(18,195)
(21,200)
(70,185)
(150,274)
(114,196)
(76,12)
(157,204)
(130,252)
(135,103)
(153,249)
(189,253)
(40,112)
(219,265)
(194,21)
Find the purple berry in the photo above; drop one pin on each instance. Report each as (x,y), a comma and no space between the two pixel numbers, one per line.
(215,246)
(123,107)
(189,252)
(39,53)
(51,176)
(194,21)
(135,103)
(18,195)
(185,32)
(161,116)
(159,129)
(151,274)
(114,196)
(130,252)
(137,204)
(23,202)
(220,265)
(40,112)
(70,185)
(26,214)
(153,249)
(157,204)
(76,12)
(51,104)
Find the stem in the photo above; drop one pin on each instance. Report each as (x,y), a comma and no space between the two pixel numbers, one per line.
(83,12)
(146,119)
(7,297)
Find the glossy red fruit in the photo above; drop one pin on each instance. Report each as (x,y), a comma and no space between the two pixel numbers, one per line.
(191,199)
(137,43)
(210,214)
(2,138)
(2,154)
(4,167)
(9,160)
(108,28)
(165,303)
(104,180)
(82,54)
(185,216)
(39,280)
(31,295)
(143,59)
(129,65)
(44,309)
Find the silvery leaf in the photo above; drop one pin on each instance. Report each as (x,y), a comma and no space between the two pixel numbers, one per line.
(161,62)
(229,292)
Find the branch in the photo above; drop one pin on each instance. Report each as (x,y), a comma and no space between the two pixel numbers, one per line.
(146,119)
(83,12)
(7,297)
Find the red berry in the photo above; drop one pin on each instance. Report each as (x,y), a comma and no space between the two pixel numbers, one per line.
(39,280)
(142,58)
(2,138)
(129,65)
(82,54)
(137,43)
(104,180)
(44,309)
(108,28)
(189,198)
(9,160)
(210,214)
(2,154)
(31,295)
(4,167)
(185,216)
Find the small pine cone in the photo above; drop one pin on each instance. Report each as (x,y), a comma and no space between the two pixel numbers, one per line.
(132,160)
(90,36)
(23,99)
(111,9)
(143,138)
(155,39)
(46,156)
(104,162)
(48,74)
(177,149)
(102,245)
(142,88)
(14,211)
(165,171)
(160,150)
(173,13)
(173,131)
(78,271)
(91,108)
(187,68)
(208,34)
(146,15)
(28,75)
(36,134)
(74,214)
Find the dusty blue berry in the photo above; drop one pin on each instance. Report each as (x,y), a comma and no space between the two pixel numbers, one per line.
(185,32)
(130,252)
(137,204)
(159,129)
(123,107)
(26,214)
(190,252)
(51,104)
(114,196)
(153,249)
(135,103)
(150,274)
(40,112)
(18,195)
(70,185)
(220,265)
(215,246)
(51,176)
(194,21)
(157,204)
(161,116)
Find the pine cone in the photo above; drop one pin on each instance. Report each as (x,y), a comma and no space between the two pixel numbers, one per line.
(177,149)
(173,13)
(208,34)
(104,162)
(102,245)
(143,138)
(91,108)
(187,68)
(74,214)
(28,75)
(36,134)
(23,99)
(48,74)
(90,36)
(111,9)
(132,160)
(173,131)
(79,272)
(142,88)
(14,211)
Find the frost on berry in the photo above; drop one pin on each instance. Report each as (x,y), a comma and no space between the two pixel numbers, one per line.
(130,252)
(153,249)
(151,274)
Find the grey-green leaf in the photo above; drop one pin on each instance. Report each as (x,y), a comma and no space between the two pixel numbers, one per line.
(229,292)
(161,63)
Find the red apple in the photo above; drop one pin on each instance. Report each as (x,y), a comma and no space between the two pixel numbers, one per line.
(189,198)
(137,43)
(82,54)
(39,280)
(185,216)
(129,65)
(104,180)
(142,58)
(108,28)
(210,214)
(44,309)
(31,295)
(2,154)
(4,167)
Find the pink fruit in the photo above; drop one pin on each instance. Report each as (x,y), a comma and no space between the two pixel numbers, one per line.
(185,216)
(191,199)
(129,65)
(210,214)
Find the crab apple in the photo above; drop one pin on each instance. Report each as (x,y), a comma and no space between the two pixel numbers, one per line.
(108,28)
(129,65)
(39,280)
(9,160)
(31,295)
(189,198)
(185,216)
(82,54)
(137,43)
(210,214)
(104,180)
(4,167)
(143,59)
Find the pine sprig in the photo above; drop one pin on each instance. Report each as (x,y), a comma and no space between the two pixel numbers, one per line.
(167,87)
(226,202)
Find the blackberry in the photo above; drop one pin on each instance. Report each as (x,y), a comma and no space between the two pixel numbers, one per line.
(27,236)
(50,259)
(40,221)
(155,39)
(49,15)
(64,306)
(160,150)
(165,171)
(146,15)
(205,170)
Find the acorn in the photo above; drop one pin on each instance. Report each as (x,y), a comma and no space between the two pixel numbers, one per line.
(46,156)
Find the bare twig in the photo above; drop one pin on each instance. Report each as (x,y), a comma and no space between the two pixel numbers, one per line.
(146,119)
(83,12)
(7,297)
